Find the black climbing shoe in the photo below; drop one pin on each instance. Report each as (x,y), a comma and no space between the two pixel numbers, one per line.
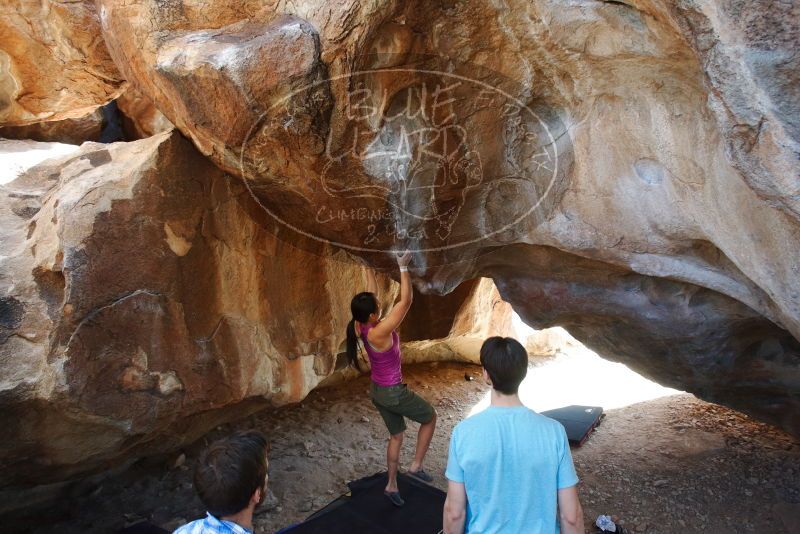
(420,474)
(395,497)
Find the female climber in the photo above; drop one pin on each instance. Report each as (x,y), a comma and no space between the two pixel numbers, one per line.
(388,392)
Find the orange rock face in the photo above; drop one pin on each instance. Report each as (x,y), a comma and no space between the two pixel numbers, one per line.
(70,131)
(148,305)
(616,149)
(455,326)
(53,61)
(140,117)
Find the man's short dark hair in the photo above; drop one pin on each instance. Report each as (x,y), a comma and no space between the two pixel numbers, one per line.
(230,470)
(506,363)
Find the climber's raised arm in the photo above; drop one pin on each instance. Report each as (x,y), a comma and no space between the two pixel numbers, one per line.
(383,330)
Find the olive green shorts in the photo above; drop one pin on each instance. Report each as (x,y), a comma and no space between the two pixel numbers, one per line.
(397,402)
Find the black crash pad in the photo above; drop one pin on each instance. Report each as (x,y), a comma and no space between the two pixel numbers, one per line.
(366,509)
(579,421)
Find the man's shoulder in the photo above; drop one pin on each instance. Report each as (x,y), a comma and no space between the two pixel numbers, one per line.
(527,416)
(198,526)
(193,527)
(211,525)
(548,425)
(474,420)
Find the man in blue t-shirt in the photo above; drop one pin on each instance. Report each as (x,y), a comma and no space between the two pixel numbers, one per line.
(510,469)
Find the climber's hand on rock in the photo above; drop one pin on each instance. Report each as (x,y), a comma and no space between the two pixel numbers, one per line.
(404,259)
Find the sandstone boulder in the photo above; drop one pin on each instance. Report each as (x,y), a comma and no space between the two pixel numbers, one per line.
(143,303)
(140,117)
(455,326)
(54,62)
(682,335)
(18,156)
(68,131)
(626,169)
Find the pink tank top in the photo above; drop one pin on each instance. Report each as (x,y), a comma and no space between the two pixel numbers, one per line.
(386,364)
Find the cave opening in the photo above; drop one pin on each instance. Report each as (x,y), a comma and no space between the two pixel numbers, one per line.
(563,372)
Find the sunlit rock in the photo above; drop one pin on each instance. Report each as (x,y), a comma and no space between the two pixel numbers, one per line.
(140,117)
(143,302)
(68,131)
(54,64)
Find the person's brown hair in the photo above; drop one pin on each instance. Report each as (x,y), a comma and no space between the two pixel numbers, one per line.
(506,363)
(230,470)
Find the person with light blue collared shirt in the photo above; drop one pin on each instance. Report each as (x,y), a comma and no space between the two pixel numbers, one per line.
(231,480)
(509,469)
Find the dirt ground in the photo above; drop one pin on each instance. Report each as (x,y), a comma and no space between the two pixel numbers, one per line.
(674,464)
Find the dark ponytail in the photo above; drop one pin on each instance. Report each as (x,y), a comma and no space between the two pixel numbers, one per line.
(352,345)
(362,306)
